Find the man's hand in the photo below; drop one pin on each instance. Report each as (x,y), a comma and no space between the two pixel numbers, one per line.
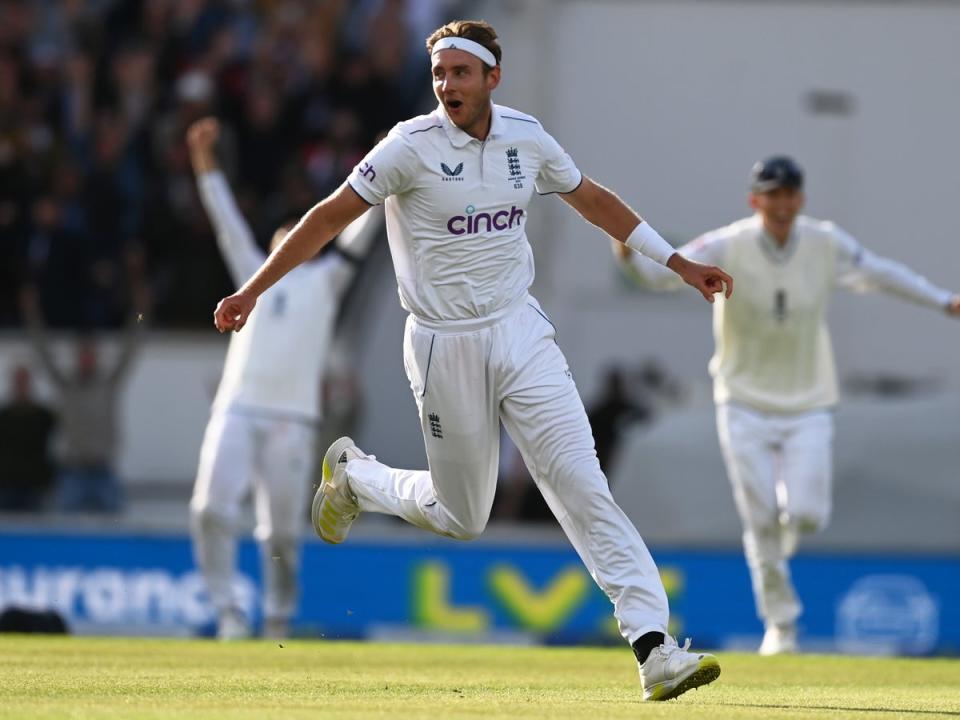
(201,137)
(953,307)
(233,312)
(708,279)
(203,134)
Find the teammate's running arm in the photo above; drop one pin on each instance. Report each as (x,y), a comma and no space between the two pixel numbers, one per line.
(860,269)
(318,227)
(603,208)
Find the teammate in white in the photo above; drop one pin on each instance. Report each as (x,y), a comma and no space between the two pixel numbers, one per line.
(774,378)
(262,429)
(478,348)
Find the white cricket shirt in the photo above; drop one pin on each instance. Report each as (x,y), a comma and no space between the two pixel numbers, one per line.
(773,349)
(456,208)
(275,365)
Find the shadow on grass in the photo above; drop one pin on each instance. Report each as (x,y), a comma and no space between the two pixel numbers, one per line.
(834,708)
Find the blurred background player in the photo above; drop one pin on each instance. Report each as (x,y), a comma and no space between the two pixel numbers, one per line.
(262,431)
(478,349)
(774,378)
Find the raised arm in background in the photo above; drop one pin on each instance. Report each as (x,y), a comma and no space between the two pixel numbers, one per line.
(234,238)
(37,333)
(133,330)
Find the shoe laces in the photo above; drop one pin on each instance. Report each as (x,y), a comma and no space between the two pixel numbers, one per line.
(670,644)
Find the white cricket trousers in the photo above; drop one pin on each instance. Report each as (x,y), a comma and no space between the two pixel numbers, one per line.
(273,457)
(466,377)
(780,467)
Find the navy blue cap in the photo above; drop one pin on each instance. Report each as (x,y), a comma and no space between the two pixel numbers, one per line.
(775,172)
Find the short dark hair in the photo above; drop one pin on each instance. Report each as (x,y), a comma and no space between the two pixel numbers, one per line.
(479,31)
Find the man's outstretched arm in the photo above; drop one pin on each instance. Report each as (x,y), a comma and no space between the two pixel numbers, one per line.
(603,208)
(862,270)
(32,311)
(315,229)
(234,236)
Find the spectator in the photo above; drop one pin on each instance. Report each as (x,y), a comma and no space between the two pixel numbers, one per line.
(26,470)
(611,414)
(95,99)
(88,407)
(625,399)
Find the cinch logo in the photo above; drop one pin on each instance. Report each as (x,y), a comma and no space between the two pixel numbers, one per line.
(471,224)
(368,172)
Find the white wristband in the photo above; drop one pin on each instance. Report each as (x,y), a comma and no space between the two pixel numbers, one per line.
(644,239)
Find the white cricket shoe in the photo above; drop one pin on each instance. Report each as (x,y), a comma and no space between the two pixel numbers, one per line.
(335,506)
(779,640)
(671,670)
(231,625)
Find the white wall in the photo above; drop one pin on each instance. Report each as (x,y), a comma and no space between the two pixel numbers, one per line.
(670,103)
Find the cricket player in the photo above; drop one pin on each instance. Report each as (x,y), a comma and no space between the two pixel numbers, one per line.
(457,185)
(773,371)
(263,425)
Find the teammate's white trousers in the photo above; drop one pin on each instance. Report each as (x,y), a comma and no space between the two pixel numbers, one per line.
(780,467)
(466,378)
(273,457)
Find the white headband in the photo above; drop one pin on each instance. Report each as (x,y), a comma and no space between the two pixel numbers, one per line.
(459,43)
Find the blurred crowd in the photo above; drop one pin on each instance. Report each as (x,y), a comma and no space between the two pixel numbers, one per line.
(96,191)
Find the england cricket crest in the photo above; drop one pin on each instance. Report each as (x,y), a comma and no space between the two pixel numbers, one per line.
(435,428)
(514,170)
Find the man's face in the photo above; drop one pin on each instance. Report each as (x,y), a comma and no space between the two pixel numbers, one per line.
(462,86)
(778,208)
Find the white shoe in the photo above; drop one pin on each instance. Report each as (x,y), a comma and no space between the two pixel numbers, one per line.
(231,625)
(779,640)
(670,670)
(276,629)
(334,505)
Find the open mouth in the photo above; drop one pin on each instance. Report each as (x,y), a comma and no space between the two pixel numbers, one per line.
(454,104)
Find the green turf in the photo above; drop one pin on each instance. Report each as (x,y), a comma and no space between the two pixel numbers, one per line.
(114,678)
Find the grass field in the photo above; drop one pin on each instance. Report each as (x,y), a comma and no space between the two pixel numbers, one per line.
(132,678)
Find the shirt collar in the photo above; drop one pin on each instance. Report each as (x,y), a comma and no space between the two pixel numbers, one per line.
(460,139)
(773,248)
